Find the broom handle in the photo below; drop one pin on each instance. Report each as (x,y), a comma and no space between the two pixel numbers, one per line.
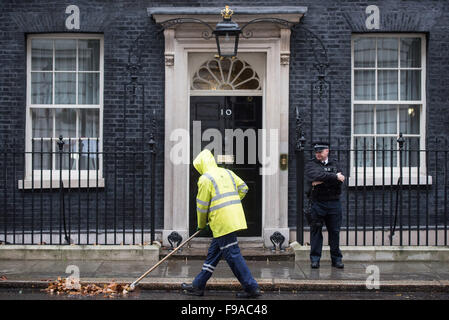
(166,257)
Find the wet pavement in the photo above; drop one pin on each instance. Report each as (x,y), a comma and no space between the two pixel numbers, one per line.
(45,270)
(271,275)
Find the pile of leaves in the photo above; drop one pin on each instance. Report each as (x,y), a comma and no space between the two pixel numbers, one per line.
(73,287)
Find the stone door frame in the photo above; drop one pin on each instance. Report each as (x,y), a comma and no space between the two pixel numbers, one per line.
(179,43)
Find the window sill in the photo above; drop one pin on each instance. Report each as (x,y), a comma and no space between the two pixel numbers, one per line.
(54,184)
(387,180)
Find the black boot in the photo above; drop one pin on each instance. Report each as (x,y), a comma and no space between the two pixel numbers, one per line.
(251,294)
(338,265)
(315,264)
(191,290)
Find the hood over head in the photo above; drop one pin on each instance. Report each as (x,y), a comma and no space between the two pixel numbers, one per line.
(204,161)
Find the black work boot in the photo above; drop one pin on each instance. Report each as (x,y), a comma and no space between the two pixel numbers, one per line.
(338,265)
(315,264)
(251,294)
(191,290)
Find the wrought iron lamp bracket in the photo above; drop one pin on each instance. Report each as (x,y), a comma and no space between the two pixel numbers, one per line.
(321,63)
(174,22)
(248,34)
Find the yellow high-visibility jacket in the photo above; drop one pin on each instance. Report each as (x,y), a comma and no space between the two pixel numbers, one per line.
(219,194)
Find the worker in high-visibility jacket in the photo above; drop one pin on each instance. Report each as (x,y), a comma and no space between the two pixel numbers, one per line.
(218,203)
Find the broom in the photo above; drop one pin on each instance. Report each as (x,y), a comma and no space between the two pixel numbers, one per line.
(132,286)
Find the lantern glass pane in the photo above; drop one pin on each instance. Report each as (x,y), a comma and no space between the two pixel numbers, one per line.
(227,45)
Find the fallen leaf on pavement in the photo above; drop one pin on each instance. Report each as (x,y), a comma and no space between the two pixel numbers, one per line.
(61,286)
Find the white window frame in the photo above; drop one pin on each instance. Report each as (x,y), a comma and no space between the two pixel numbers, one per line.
(70,178)
(378,176)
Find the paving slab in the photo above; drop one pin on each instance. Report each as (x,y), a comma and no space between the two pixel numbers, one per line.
(404,271)
(118,269)
(401,266)
(441,269)
(352,271)
(10,267)
(84,267)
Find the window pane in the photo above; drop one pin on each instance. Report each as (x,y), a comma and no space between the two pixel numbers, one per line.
(364,154)
(409,119)
(41,55)
(211,69)
(385,152)
(41,156)
(411,152)
(89,55)
(363,119)
(42,123)
(387,87)
(89,123)
(364,85)
(89,154)
(88,88)
(386,117)
(201,85)
(65,55)
(68,158)
(411,85)
(365,53)
(65,87)
(387,52)
(65,123)
(41,87)
(410,52)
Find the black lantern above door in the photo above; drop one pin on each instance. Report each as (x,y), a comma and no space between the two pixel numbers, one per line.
(227,34)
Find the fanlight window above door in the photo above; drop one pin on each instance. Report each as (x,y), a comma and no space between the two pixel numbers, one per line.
(225,74)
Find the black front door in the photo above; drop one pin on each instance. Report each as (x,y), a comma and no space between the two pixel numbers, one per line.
(231,112)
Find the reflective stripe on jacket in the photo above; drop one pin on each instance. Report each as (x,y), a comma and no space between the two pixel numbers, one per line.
(219,194)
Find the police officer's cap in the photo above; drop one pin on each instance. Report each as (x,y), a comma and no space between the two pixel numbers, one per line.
(320,146)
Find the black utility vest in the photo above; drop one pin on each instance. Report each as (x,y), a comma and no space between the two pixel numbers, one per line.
(329,190)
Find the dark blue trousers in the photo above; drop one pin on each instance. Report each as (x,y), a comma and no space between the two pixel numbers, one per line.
(228,248)
(330,212)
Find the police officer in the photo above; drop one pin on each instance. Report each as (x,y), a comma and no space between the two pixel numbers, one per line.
(324,179)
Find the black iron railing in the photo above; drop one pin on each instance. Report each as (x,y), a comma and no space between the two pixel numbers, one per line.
(82,193)
(395,193)
(76,193)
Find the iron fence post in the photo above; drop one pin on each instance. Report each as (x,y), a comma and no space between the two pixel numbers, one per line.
(61,194)
(152,144)
(299,150)
(401,141)
(398,207)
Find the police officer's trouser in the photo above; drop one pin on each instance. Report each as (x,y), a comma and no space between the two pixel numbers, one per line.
(227,247)
(330,212)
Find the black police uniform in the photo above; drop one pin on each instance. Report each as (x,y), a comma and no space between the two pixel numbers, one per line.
(325,206)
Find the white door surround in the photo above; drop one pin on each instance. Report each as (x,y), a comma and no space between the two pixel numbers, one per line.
(273,43)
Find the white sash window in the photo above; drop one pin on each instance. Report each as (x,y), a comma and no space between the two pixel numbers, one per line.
(388,98)
(64,98)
